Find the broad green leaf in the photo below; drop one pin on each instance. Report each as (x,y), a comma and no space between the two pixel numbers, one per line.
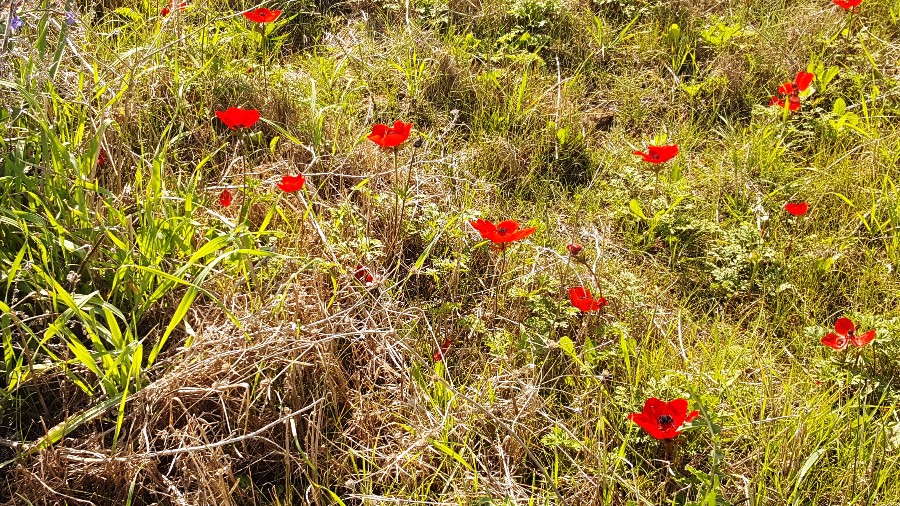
(635,207)
(839,107)
(566,345)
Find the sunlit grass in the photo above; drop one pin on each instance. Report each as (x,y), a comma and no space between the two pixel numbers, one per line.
(161,347)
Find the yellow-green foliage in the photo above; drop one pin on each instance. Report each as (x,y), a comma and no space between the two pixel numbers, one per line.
(161,348)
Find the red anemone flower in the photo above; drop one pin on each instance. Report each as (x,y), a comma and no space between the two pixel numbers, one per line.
(663,420)
(793,102)
(290,184)
(439,354)
(582,299)
(658,154)
(225,198)
(796,208)
(786,88)
(574,248)
(390,137)
(101,158)
(803,80)
(801,83)
(792,90)
(165,11)
(363,275)
(847,4)
(501,233)
(845,333)
(235,117)
(262,15)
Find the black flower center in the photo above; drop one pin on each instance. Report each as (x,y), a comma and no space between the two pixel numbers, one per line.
(665,420)
(654,156)
(502,230)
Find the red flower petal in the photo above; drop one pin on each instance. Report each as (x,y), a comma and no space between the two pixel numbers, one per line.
(776,101)
(803,80)
(677,409)
(847,4)
(235,117)
(507,227)
(165,11)
(796,208)
(786,88)
(794,103)
(290,184)
(483,226)
(663,420)
(844,326)
(487,229)
(835,341)
(439,354)
(521,234)
(502,233)
(582,299)
(363,275)
(650,425)
(654,407)
(225,198)
(574,248)
(390,137)
(863,339)
(378,132)
(658,154)
(262,15)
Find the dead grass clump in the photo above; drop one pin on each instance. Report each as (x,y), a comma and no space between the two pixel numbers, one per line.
(82,476)
(230,411)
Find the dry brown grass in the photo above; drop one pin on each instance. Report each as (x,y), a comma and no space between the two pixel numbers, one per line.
(217,416)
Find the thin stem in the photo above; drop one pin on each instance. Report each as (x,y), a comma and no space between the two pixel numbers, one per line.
(874,360)
(790,244)
(671,455)
(593,275)
(394,238)
(585,324)
(395,164)
(399,218)
(245,210)
(6,28)
(243,142)
(326,247)
(265,51)
(499,280)
(860,416)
